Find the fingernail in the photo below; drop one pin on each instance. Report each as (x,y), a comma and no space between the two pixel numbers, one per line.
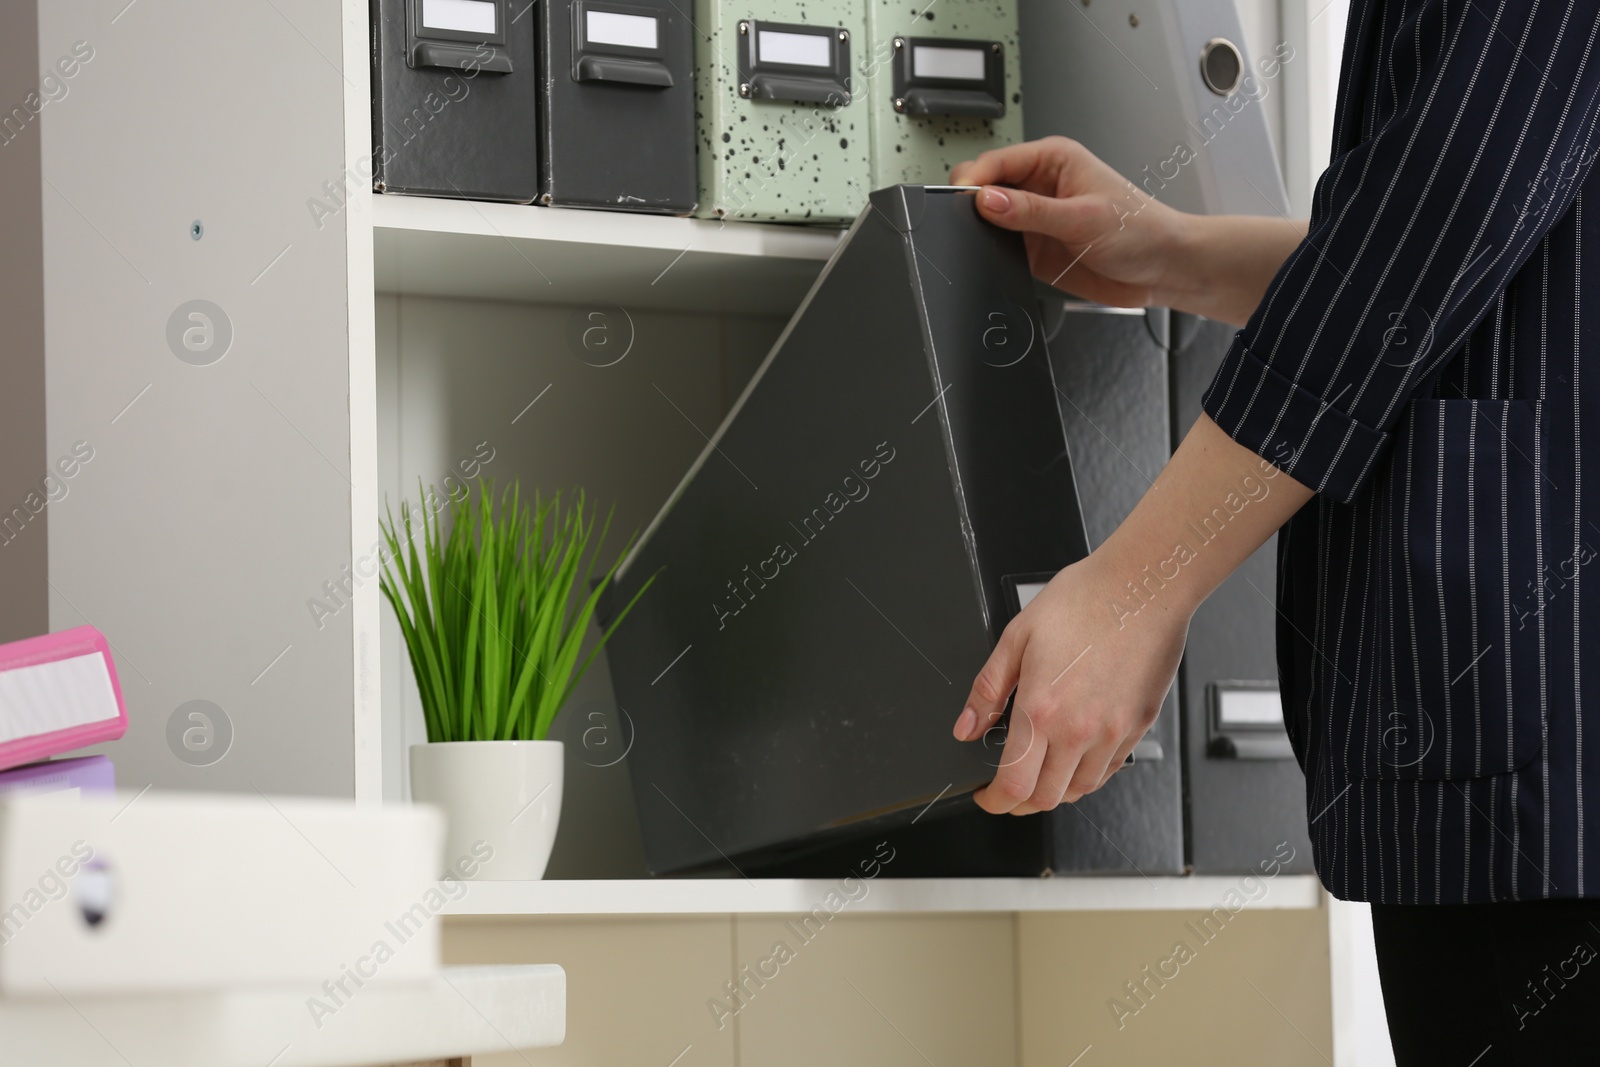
(965,723)
(994,199)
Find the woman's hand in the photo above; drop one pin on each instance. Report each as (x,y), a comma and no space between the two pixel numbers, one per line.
(1092,656)
(1097,235)
(1091,665)
(1090,231)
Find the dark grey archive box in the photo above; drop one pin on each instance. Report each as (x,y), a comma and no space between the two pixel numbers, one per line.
(616,105)
(454,99)
(1246,793)
(838,564)
(1111,376)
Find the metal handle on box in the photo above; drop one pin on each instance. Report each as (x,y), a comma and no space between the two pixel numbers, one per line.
(966,103)
(1270,747)
(627,71)
(801,89)
(459,57)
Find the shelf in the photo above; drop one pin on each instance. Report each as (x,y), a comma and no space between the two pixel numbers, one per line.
(781,896)
(464,248)
(467,1011)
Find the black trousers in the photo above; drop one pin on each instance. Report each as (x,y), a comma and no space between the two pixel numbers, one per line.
(1491,985)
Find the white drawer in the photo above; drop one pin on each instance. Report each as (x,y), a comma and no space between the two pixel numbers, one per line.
(190,891)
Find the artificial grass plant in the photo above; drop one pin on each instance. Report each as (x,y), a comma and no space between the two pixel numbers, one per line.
(493,612)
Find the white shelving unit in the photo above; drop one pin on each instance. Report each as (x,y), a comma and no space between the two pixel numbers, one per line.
(375,340)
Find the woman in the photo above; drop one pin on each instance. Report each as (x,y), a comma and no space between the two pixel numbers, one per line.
(1418,375)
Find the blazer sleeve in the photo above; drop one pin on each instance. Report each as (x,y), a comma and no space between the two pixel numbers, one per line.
(1420,225)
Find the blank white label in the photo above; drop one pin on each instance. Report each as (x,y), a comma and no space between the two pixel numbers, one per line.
(1026,591)
(612,27)
(930,62)
(805,49)
(46,697)
(467,16)
(1248,707)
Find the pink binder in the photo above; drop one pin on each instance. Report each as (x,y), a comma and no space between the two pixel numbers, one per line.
(58,692)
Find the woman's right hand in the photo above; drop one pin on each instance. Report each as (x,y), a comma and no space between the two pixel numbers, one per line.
(1089,231)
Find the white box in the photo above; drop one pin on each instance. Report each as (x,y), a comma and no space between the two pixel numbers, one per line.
(188,891)
(466,1011)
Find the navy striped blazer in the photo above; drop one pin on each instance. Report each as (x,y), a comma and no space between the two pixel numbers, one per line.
(1428,361)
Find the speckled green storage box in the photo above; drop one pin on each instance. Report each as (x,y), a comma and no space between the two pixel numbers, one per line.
(782,134)
(942,84)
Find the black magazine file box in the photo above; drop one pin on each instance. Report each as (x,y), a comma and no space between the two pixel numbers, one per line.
(794,673)
(1110,371)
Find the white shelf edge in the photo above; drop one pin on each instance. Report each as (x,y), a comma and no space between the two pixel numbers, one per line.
(616,228)
(781,896)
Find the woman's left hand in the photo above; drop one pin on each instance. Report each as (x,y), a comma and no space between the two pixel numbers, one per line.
(1091,664)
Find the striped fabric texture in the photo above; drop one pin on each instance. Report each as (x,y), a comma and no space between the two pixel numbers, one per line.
(1428,361)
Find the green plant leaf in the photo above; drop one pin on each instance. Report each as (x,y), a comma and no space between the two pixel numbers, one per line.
(495,608)
(422,623)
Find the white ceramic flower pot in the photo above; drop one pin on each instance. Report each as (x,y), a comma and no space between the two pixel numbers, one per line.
(501,801)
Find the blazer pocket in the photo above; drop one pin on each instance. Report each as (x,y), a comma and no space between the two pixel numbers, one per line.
(1456,689)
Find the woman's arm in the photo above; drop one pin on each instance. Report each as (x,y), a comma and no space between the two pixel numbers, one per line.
(1094,234)
(1092,656)
(1220,265)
